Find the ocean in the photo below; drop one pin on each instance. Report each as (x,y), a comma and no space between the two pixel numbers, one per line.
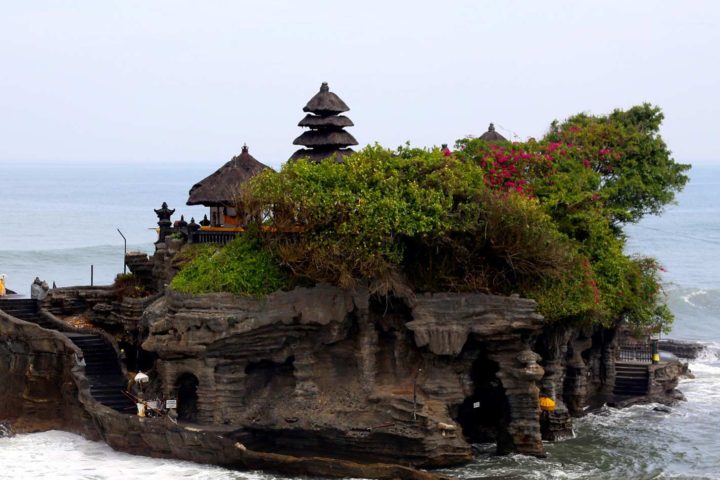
(58,220)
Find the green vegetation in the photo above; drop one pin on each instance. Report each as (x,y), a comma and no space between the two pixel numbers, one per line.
(409,219)
(242,267)
(541,218)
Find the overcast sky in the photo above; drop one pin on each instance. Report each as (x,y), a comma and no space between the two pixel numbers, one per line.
(181,81)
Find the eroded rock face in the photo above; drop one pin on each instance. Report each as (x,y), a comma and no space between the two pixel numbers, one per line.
(329,371)
(683,349)
(37,391)
(43,386)
(324,372)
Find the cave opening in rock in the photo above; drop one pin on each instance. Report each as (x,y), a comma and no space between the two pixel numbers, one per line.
(135,358)
(187,397)
(483,415)
(280,376)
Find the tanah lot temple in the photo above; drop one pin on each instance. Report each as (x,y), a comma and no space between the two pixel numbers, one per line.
(316,380)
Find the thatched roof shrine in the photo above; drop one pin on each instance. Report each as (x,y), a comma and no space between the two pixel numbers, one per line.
(492,136)
(221,188)
(326,136)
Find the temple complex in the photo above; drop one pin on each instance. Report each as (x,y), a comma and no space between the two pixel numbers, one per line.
(219,191)
(326,135)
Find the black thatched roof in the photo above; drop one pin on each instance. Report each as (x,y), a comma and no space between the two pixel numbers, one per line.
(336,121)
(325,102)
(492,136)
(221,187)
(320,138)
(317,155)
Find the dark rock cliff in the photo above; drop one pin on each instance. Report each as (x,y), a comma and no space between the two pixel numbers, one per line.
(312,380)
(322,370)
(43,386)
(37,387)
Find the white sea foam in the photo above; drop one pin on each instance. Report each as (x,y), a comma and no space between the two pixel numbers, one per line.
(690,296)
(60,455)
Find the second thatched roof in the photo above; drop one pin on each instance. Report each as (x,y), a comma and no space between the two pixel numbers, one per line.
(221,188)
(492,136)
(333,121)
(325,139)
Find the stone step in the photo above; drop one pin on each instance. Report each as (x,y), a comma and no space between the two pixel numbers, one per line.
(632,377)
(102,367)
(634,367)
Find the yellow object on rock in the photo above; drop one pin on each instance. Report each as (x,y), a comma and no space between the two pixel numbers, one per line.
(547,404)
(3,291)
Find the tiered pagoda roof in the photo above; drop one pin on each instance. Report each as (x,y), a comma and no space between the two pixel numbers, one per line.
(221,188)
(326,135)
(492,136)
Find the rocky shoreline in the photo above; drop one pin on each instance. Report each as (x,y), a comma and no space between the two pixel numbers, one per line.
(319,381)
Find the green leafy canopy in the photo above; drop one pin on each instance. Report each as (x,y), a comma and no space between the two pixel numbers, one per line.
(540,218)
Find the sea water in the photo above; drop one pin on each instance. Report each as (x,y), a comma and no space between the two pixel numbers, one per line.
(58,220)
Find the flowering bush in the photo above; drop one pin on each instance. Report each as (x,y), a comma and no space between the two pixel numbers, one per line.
(409,218)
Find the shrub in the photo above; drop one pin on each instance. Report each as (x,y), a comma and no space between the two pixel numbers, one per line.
(128,285)
(408,219)
(242,267)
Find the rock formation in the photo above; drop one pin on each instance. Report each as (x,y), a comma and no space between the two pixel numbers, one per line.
(317,380)
(324,369)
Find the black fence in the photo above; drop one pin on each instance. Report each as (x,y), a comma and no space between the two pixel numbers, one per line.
(220,238)
(635,352)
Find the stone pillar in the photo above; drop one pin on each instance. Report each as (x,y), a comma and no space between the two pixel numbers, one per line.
(207,404)
(230,383)
(519,374)
(576,381)
(555,425)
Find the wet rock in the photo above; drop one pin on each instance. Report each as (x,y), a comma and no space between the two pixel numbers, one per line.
(6,430)
(39,289)
(37,388)
(682,348)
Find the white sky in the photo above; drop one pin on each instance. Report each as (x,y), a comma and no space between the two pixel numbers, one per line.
(191,81)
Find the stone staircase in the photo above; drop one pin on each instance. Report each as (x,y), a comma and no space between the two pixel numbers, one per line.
(26,309)
(631,379)
(102,368)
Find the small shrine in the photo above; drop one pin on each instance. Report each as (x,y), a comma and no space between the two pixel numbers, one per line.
(326,135)
(220,190)
(492,136)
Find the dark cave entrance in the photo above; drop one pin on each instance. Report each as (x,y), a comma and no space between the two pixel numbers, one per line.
(484,415)
(187,397)
(136,359)
(264,374)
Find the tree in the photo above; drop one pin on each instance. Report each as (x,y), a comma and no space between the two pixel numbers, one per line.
(637,175)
